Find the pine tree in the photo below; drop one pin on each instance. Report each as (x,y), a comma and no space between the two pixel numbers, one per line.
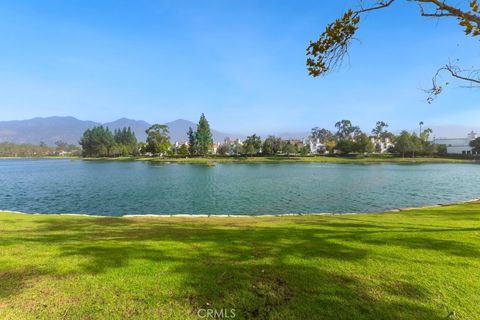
(203,136)
(192,142)
(97,142)
(126,142)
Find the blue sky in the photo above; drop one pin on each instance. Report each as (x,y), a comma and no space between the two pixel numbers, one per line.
(241,62)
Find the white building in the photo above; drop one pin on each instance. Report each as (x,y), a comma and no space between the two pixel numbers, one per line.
(315,146)
(458,145)
(178,144)
(382,146)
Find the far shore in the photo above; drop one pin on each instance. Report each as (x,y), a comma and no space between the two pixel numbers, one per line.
(212,160)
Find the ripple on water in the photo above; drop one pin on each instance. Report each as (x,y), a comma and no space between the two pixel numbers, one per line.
(115,188)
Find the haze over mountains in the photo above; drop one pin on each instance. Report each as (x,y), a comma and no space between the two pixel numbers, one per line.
(69,129)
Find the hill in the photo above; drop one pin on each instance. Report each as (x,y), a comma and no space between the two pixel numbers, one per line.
(69,129)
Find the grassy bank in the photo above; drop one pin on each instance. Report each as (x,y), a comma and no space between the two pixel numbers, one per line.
(275,159)
(418,264)
(292,159)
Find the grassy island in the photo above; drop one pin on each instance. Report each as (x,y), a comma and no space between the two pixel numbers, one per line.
(412,264)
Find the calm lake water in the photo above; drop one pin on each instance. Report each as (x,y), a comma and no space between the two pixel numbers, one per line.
(118,188)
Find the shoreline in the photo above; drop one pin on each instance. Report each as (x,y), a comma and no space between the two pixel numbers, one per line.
(281,215)
(212,161)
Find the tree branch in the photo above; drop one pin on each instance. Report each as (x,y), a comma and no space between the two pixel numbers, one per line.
(451,11)
(380,5)
(332,46)
(456,72)
(472,76)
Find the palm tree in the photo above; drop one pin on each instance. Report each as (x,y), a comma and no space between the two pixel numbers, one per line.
(420,132)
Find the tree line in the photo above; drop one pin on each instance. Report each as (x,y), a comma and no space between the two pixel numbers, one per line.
(350,139)
(346,139)
(8,149)
(102,142)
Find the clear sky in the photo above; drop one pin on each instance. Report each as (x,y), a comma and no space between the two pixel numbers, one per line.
(241,62)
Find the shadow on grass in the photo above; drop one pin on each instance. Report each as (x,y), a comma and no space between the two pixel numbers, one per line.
(14,281)
(262,272)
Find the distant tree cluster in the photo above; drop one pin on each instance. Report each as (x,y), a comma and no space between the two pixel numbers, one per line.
(350,139)
(125,142)
(101,142)
(8,149)
(346,139)
(412,144)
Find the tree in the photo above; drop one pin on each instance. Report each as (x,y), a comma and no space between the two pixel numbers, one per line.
(8,149)
(345,129)
(182,150)
(345,146)
(417,144)
(125,141)
(323,135)
(289,147)
(425,134)
(125,136)
(362,144)
(379,130)
(223,149)
(423,145)
(203,136)
(97,142)
(390,136)
(237,148)
(404,143)
(328,51)
(305,149)
(61,145)
(158,140)
(192,142)
(272,145)
(475,144)
(252,145)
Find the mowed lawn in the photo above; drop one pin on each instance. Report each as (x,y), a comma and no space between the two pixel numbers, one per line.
(417,264)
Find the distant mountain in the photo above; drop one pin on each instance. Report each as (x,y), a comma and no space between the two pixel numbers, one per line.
(47,130)
(137,126)
(70,129)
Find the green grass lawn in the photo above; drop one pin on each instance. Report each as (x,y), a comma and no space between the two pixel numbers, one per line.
(416,264)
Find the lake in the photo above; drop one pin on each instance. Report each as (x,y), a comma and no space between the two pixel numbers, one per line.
(138,187)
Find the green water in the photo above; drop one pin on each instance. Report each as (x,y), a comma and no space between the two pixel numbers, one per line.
(119,188)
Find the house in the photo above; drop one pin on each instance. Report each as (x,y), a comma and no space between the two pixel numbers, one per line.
(215,147)
(315,146)
(178,144)
(382,145)
(232,144)
(457,145)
